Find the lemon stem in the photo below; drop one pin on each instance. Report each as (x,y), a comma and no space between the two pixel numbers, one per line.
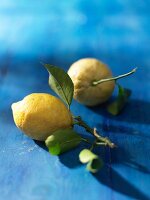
(102,140)
(114,78)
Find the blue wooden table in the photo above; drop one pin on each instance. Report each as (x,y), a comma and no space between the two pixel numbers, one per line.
(60,32)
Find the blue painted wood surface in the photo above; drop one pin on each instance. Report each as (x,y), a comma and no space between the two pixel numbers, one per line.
(60,32)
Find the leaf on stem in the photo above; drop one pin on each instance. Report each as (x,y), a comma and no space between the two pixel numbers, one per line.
(118,105)
(62,140)
(61,83)
(94,163)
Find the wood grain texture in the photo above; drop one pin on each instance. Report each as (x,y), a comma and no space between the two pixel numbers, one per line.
(117,32)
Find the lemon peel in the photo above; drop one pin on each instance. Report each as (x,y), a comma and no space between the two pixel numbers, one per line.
(38,115)
(83,73)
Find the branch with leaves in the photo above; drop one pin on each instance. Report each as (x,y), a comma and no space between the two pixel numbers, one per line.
(64,140)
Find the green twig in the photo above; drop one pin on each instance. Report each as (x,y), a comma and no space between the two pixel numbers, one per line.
(92,146)
(103,140)
(114,78)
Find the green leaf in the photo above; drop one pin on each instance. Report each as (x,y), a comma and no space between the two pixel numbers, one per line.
(62,140)
(53,146)
(94,163)
(118,105)
(61,83)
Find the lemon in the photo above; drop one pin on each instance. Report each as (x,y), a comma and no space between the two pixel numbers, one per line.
(38,115)
(83,73)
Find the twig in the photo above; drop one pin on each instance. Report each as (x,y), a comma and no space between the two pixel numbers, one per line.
(103,140)
(114,78)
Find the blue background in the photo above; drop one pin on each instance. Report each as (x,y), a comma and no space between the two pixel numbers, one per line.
(60,32)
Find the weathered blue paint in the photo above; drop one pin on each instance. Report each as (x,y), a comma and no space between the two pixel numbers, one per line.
(117,32)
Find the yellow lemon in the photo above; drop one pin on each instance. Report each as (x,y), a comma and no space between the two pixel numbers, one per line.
(83,73)
(38,115)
